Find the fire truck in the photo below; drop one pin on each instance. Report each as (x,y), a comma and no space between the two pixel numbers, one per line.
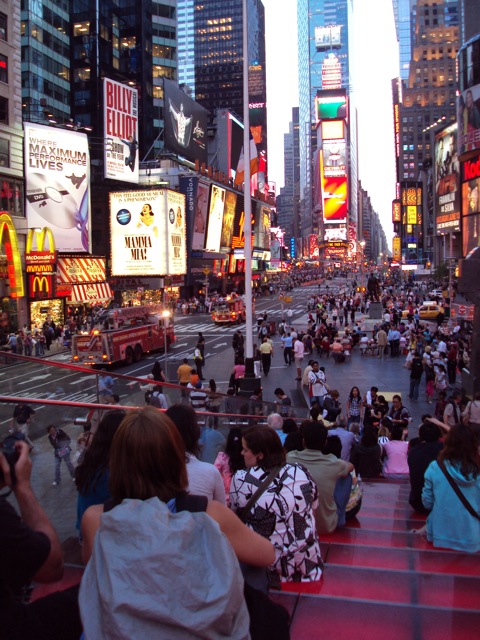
(124,335)
(231,311)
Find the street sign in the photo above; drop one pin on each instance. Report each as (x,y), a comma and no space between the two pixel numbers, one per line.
(462,310)
(287,299)
(206,271)
(281,297)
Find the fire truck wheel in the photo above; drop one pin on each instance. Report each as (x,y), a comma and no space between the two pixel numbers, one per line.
(129,355)
(137,353)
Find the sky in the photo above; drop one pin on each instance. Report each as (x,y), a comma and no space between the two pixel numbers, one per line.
(375,62)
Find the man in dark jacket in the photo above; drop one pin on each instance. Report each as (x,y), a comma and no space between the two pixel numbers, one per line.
(419,459)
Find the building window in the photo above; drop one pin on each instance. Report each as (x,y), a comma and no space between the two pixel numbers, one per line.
(3,110)
(81,28)
(3,26)
(3,68)
(4,153)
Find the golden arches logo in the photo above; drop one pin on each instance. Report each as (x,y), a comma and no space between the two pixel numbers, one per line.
(8,238)
(39,282)
(39,235)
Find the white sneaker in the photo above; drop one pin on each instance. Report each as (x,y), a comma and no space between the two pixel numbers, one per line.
(55,483)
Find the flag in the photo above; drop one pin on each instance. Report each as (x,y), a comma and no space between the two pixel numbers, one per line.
(240,173)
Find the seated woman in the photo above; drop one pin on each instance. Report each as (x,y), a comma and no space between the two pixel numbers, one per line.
(284,513)
(449,524)
(366,455)
(152,555)
(395,464)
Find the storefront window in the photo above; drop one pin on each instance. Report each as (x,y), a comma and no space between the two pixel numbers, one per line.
(11,197)
(46,311)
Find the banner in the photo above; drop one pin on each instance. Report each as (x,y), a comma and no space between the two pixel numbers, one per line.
(215,218)
(147,233)
(71,269)
(57,175)
(447,181)
(120,121)
(185,124)
(228,218)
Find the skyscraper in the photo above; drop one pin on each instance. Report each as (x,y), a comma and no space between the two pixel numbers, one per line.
(323,63)
(428,104)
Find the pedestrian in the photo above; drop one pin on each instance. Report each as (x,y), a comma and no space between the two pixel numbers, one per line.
(430,391)
(266,351)
(158,374)
(183,373)
(287,344)
(105,389)
(60,442)
(381,341)
(416,372)
(285,408)
(198,360)
(22,416)
(317,384)
(298,352)
(354,406)
(201,344)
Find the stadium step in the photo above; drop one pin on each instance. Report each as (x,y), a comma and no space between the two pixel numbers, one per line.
(380,578)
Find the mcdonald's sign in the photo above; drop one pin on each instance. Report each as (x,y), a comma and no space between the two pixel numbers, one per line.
(41,286)
(8,239)
(40,260)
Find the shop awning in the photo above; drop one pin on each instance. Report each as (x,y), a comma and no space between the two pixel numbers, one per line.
(89,293)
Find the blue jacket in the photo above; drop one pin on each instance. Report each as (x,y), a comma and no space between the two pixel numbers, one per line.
(449,524)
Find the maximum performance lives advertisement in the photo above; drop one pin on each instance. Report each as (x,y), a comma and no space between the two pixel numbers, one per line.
(147,233)
(120,121)
(57,175)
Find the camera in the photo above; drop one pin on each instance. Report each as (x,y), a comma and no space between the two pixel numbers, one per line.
(7,447)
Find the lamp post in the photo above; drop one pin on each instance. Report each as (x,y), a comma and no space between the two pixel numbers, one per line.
(362,267)
(166,316)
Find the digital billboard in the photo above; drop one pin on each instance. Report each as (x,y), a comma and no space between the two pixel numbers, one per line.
(147,230)
(331,104)
(57,175)
(185,124)
(331,72)
(215,218)
(334,199)
(228,218)
(328,37)
(262,227)
(120,122)
(447,181)
(333,129)
(468,118)
(334,157)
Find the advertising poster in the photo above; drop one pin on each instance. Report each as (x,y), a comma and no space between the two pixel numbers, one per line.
(470,233)
(57,175)
(215,218)
(334,158)
(447,181)
(262,228)
(468,118)
(120,121)
(331,104)
(185,124)
(335,199)
(200,220)
(228,218)
(147,230)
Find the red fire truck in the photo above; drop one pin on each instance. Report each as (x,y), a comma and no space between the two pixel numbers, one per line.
(124,335)
(232,311)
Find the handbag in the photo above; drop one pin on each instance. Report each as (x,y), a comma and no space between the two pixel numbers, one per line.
(244,511)
(63,452)
(456,488)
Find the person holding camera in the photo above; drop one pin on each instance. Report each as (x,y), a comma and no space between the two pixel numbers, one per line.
(30,550)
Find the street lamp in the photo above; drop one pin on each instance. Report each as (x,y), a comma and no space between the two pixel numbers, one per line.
(362,284)
(166,316)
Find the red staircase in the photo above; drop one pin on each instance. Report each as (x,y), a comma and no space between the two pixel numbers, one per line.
(382,581)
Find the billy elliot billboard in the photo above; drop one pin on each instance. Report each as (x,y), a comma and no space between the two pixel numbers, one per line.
(57,174)
(447,181)
(147,233)
(185,124)
(120,121)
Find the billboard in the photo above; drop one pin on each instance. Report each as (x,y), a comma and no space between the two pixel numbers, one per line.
(196,194)
(331,72)
(328,37)
(215,218)
(334,199)
(468,118)
(331,104)
(120,122)
(147,233)
(57,194)
(185,124)
(261,237)
(71,269)
(334,158)
(447,181)
(228,218)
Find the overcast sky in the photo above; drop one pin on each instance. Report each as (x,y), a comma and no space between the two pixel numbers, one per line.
(375,63)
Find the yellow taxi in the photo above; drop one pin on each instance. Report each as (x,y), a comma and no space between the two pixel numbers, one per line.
(427,311)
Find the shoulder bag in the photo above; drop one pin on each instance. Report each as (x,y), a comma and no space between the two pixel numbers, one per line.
(456,488)
(244,511)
